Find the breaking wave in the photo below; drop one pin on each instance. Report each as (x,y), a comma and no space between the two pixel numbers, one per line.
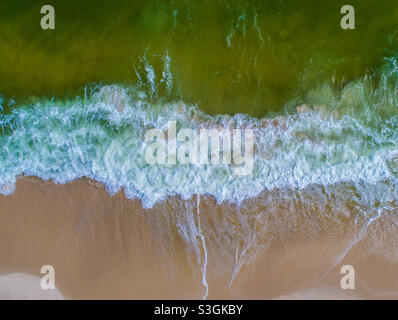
(350,136)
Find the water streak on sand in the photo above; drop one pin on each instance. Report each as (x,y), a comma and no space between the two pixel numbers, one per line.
(204,249)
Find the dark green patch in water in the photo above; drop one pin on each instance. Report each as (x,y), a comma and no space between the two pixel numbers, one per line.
(226,56)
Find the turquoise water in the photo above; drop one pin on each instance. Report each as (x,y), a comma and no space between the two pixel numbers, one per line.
(351,137)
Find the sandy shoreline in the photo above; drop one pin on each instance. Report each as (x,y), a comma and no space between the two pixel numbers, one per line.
(104,246)
(20,286)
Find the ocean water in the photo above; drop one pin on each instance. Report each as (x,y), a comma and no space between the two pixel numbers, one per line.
(349,138)
(230,57)
(322,103)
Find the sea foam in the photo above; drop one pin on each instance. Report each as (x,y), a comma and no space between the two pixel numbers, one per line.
(352,138)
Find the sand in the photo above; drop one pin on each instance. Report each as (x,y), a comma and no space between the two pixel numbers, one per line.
(20,286)
(322,293)
(109,247)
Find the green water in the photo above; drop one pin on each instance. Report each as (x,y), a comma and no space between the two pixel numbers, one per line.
(226,56)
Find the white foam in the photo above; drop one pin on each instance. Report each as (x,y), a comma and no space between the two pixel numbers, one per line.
(102,138)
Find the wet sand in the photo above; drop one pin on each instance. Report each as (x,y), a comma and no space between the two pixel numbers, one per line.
(20,286)
(110,247)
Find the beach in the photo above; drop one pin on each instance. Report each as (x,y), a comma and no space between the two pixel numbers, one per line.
(216,150)
(104,246)
(20,286)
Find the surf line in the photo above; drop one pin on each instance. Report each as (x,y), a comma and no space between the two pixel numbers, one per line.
(204,263)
